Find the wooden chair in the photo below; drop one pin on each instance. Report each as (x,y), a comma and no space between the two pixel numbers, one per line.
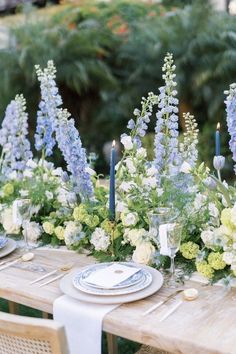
(26,335)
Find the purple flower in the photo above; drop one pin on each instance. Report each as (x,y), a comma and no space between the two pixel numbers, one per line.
(167,157)
(231,119)
(13,137)
(47,113)
(74,154)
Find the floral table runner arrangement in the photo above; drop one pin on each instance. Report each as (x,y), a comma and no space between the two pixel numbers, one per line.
(70,207)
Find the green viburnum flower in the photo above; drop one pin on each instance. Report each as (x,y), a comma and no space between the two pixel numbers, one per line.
(107,225)
(80,213)
(205,269)
(8,189)
(48,227)
(215,259)
(189,250)
(91,220)
(60,232)
(226,218)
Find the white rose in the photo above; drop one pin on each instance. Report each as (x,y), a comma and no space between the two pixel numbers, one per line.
(141,153)
(207,237)
(129,219)
(49,195)
(143,253)
(135,236)
(121,207)
(130,165)
(127,142)
(100,239)
(152,171)
(228,257)
(214,212)
(32,230)
(7,222)
(149,182)
(185,167)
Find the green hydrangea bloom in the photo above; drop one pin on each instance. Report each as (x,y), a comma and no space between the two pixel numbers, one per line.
(103,212)
(80,213)
(107,225)
(91,220)
(8,189)
(205,269)
(60,232)
(189,250)
(215,259)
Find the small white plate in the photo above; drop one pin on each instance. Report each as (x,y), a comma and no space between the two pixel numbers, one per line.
(67,288)
(9,248)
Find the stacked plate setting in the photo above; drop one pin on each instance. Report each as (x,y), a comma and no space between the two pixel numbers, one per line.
(139,279)
(3,241)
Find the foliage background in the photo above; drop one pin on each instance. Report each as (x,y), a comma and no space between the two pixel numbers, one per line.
(110,54)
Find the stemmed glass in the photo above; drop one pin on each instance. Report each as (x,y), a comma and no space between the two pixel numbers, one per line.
(24,216)
(174,233)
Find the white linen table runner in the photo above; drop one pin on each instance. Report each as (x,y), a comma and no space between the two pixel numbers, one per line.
(83,323)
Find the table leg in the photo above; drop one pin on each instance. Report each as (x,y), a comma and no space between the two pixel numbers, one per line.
(13,307)
(112,344)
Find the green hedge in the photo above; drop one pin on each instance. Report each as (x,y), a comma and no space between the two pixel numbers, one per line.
(109,55)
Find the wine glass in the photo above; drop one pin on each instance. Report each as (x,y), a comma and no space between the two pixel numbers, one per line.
(24,216)
(160,216)
(174,234)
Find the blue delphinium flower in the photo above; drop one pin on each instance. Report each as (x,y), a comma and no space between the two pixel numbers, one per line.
(74,154)
(47,113)
(231,118)
(167,157)
(13,137)
(139,125)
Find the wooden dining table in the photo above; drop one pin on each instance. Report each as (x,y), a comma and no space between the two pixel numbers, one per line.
(206,325)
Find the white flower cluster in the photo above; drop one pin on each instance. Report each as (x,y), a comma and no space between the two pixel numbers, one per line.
(100,239)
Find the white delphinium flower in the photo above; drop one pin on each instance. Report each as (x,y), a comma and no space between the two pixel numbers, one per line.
(100,239)
(31,164)
(127,186)
(127,142)
(121,206)
(199,201)
(129,219)
(130,165)
(185,167)
(213,210)
(143,253)
(188,148)
(73,233)
(151,171)
(149,182)
(28,173)
(32,230)
(65,197)
(141,153)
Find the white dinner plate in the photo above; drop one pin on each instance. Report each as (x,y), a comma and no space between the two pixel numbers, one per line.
(145,282)
(132,280)
(9,248)
(67,288)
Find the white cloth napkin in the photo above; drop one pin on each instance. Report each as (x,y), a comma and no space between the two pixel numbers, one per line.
(163,229)
(83,323)
(111,275)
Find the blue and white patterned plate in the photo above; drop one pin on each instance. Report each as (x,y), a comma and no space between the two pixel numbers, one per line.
(132,280)
(79,284)
(3,241)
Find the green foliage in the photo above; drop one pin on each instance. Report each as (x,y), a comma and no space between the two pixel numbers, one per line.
(108,55)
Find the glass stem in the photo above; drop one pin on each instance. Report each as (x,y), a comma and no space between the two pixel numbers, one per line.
(172,266)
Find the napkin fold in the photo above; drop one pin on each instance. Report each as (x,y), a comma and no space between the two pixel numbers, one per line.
(82,322)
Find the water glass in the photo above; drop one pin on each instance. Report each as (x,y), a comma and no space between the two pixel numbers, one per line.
(174,234)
